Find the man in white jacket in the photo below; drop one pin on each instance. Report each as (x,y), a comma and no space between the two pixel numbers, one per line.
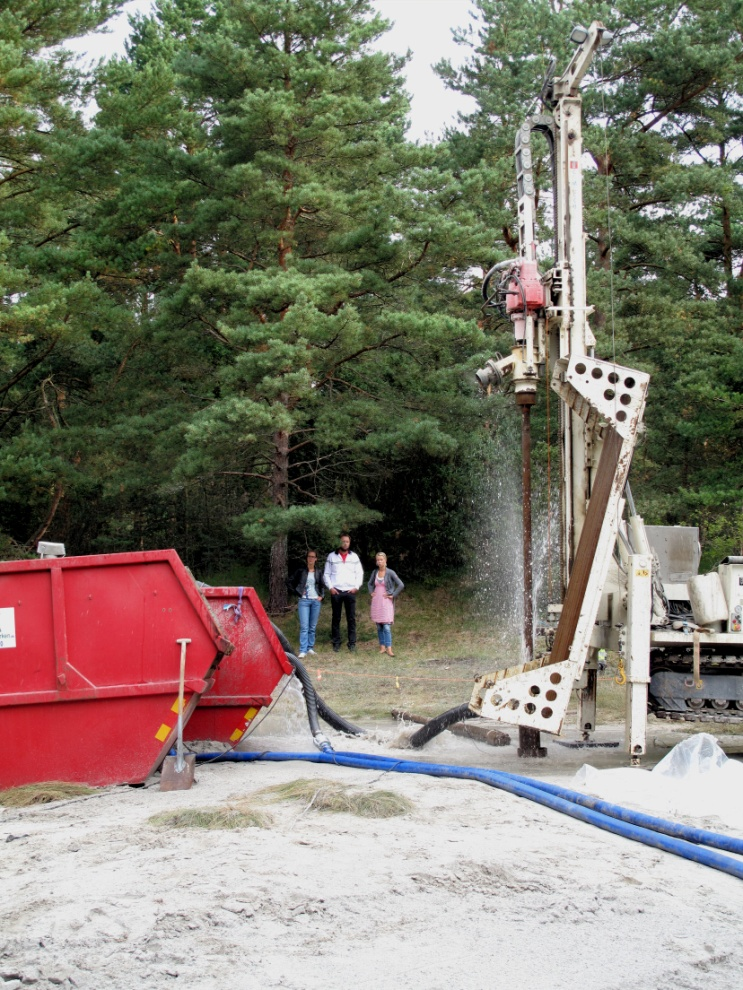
(343,576)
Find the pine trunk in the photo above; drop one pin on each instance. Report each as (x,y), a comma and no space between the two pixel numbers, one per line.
(277,594)
(278,573)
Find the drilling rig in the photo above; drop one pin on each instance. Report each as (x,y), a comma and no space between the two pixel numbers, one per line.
(626,587)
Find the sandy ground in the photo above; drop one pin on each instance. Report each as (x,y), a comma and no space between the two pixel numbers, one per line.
(474,889)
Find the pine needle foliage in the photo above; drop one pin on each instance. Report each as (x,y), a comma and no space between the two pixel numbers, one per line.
(305,259)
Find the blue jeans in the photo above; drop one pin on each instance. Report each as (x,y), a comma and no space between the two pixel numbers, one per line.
(309,613)
(384,633)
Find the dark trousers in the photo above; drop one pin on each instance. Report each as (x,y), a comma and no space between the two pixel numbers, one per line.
(339,601)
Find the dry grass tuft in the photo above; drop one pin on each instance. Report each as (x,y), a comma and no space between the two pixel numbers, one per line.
(339,798)
(228,816)
(46,793)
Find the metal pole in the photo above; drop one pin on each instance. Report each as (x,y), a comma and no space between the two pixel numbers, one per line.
(529,741)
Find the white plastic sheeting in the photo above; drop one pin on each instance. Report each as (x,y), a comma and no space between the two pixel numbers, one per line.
(694,780)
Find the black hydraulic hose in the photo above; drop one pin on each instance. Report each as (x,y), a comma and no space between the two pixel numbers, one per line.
(322,709)
(286,645)
(485,289)
(427,732)
(437,725)
(336,721)
(432,728)
(310,698)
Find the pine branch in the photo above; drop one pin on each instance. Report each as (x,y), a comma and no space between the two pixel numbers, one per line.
(414,265)
(60,233)
(351,357)
(28,368)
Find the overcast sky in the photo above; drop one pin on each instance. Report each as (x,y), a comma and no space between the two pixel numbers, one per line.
(423,26)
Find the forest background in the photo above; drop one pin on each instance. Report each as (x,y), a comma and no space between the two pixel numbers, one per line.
(240,310)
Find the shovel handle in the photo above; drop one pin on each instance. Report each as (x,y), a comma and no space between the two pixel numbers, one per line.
(179,761)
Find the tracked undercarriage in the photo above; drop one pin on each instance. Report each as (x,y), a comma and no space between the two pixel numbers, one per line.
(716,695)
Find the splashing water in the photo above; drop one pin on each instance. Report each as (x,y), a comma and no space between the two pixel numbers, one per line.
(499,567)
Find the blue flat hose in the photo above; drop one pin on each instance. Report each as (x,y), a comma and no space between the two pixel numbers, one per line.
(681,840)
(699,836)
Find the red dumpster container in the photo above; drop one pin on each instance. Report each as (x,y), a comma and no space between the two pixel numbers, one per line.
(89,664)
(246,680)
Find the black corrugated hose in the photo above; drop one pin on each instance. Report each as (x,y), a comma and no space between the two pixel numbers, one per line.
(321,709)
(317,707)
(437,725)
(310,697)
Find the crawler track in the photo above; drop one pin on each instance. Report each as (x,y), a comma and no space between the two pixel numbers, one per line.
(673,695)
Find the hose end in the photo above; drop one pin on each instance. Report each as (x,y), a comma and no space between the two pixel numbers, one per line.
(322,743)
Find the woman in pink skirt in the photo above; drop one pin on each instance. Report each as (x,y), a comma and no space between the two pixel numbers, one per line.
(384,587)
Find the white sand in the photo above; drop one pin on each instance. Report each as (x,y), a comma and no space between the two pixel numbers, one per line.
(475,889)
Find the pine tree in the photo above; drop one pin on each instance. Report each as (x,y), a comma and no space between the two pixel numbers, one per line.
(666,165)
(49,309)
(292,237)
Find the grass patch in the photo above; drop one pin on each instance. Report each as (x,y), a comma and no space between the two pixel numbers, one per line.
(339,798)
(46,793)
(440,642)
(439,646)
(231,816)
(611,699)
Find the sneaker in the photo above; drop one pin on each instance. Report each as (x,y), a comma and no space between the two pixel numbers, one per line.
(336,649)
(312,653)
(301,655)
(351,647)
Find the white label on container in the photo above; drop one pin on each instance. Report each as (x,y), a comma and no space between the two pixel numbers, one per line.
(7,628)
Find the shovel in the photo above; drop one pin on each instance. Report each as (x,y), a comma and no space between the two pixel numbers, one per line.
(177,772)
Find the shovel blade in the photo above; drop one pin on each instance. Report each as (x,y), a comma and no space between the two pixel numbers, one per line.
(172,779)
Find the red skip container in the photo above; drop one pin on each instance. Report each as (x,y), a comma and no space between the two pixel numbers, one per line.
(246,680)
(89,664)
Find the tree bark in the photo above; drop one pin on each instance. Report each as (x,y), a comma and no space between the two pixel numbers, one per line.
(727,242)
(279,571)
